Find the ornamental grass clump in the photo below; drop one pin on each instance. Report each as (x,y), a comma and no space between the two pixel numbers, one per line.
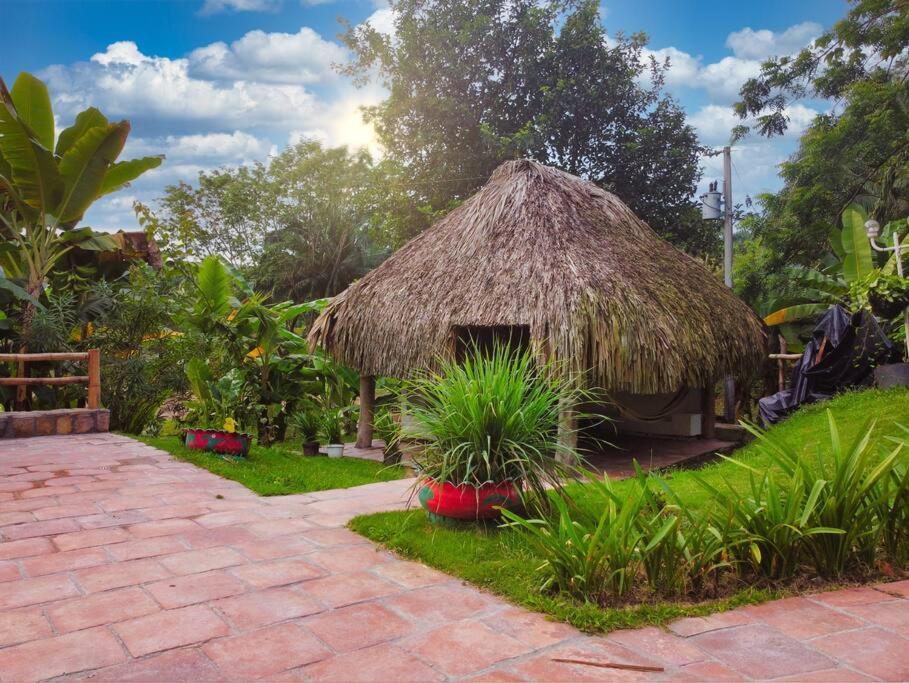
(851,497)
(491,418)
(588,557)
(636,544)
(842,512)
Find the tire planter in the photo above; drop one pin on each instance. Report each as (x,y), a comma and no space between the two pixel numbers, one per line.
(466,502)
(218,441)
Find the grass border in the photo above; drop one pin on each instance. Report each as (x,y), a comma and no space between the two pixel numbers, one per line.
(466,555)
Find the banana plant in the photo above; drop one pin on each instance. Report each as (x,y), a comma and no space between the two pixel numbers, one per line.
(48,182)
(819,288)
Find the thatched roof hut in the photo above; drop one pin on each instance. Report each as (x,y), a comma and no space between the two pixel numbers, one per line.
(546,251)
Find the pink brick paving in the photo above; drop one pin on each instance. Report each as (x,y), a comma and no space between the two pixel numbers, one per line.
(118,563)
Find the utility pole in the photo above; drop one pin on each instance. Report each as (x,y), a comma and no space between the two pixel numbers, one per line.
(729,384)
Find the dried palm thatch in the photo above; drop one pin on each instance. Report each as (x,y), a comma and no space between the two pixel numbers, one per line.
(599,291)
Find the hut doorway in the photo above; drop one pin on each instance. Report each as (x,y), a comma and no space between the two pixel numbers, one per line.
(484,338)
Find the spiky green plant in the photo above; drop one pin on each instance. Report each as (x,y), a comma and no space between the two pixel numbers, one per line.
(848,478)
(590,558)
(490,419)
(306,423)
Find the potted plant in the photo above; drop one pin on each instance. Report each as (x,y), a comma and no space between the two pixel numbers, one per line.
(489,425)
(219,407)
(307,424)
(225,440)
(332,429)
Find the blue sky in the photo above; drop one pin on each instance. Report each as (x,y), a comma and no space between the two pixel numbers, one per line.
(224,82)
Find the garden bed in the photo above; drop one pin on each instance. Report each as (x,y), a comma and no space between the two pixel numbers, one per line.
(504,561)
(282,469)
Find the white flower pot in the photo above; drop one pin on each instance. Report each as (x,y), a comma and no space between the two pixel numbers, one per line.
(335,450)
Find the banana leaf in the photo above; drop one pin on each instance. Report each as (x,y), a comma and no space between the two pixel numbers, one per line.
(794,313)
(858,262)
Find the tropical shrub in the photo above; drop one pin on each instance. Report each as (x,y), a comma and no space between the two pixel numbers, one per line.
(839,513)
(850,495)
(885,293)
(816,289)
(306,424)
(894,511)
(773,520)
(257,343)
(489,419)
(588,558)
(48,182)
(218,400)
(332,425)
(142,358)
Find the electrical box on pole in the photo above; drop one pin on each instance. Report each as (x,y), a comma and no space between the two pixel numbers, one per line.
(716,206)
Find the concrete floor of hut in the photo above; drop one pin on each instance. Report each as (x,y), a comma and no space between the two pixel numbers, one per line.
(652,453)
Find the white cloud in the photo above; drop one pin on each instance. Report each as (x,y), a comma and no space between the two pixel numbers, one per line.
(382,20)
(237,110)
(123,52)
(342,122)
(761,44)
(723,79)
(217,6)
(714,122)
(302,57)
(160,93)
(212,149)
(683,67)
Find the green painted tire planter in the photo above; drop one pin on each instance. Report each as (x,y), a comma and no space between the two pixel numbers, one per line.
(218,441)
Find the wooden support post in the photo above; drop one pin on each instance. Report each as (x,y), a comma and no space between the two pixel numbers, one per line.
(94,379)
(367,409)
(567,435)
(708,411)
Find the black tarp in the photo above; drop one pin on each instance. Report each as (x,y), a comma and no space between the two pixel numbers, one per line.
(842,352)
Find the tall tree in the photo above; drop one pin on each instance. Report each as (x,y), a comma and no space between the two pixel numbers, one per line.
(298,226)
(859,149)
(474,82)
(227,214)
(324,200)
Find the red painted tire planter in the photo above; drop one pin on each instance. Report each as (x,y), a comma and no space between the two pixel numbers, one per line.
(467,501)
(218,441)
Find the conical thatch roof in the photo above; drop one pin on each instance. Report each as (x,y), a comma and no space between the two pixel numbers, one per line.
(539,247)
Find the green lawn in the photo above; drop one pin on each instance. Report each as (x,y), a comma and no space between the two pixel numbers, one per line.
(502,562)
(281,469)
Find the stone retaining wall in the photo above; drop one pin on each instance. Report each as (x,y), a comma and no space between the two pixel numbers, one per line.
(51,422)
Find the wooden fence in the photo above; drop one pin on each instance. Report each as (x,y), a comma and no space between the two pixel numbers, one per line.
(22,381)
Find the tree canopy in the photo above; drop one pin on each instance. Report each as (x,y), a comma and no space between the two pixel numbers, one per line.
(298,226)
(858,149)
(477,82)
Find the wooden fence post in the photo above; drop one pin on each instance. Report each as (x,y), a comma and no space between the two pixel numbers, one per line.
(22,389)
(94,379)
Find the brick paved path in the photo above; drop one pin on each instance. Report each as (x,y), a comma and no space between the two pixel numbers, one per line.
(119,563)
